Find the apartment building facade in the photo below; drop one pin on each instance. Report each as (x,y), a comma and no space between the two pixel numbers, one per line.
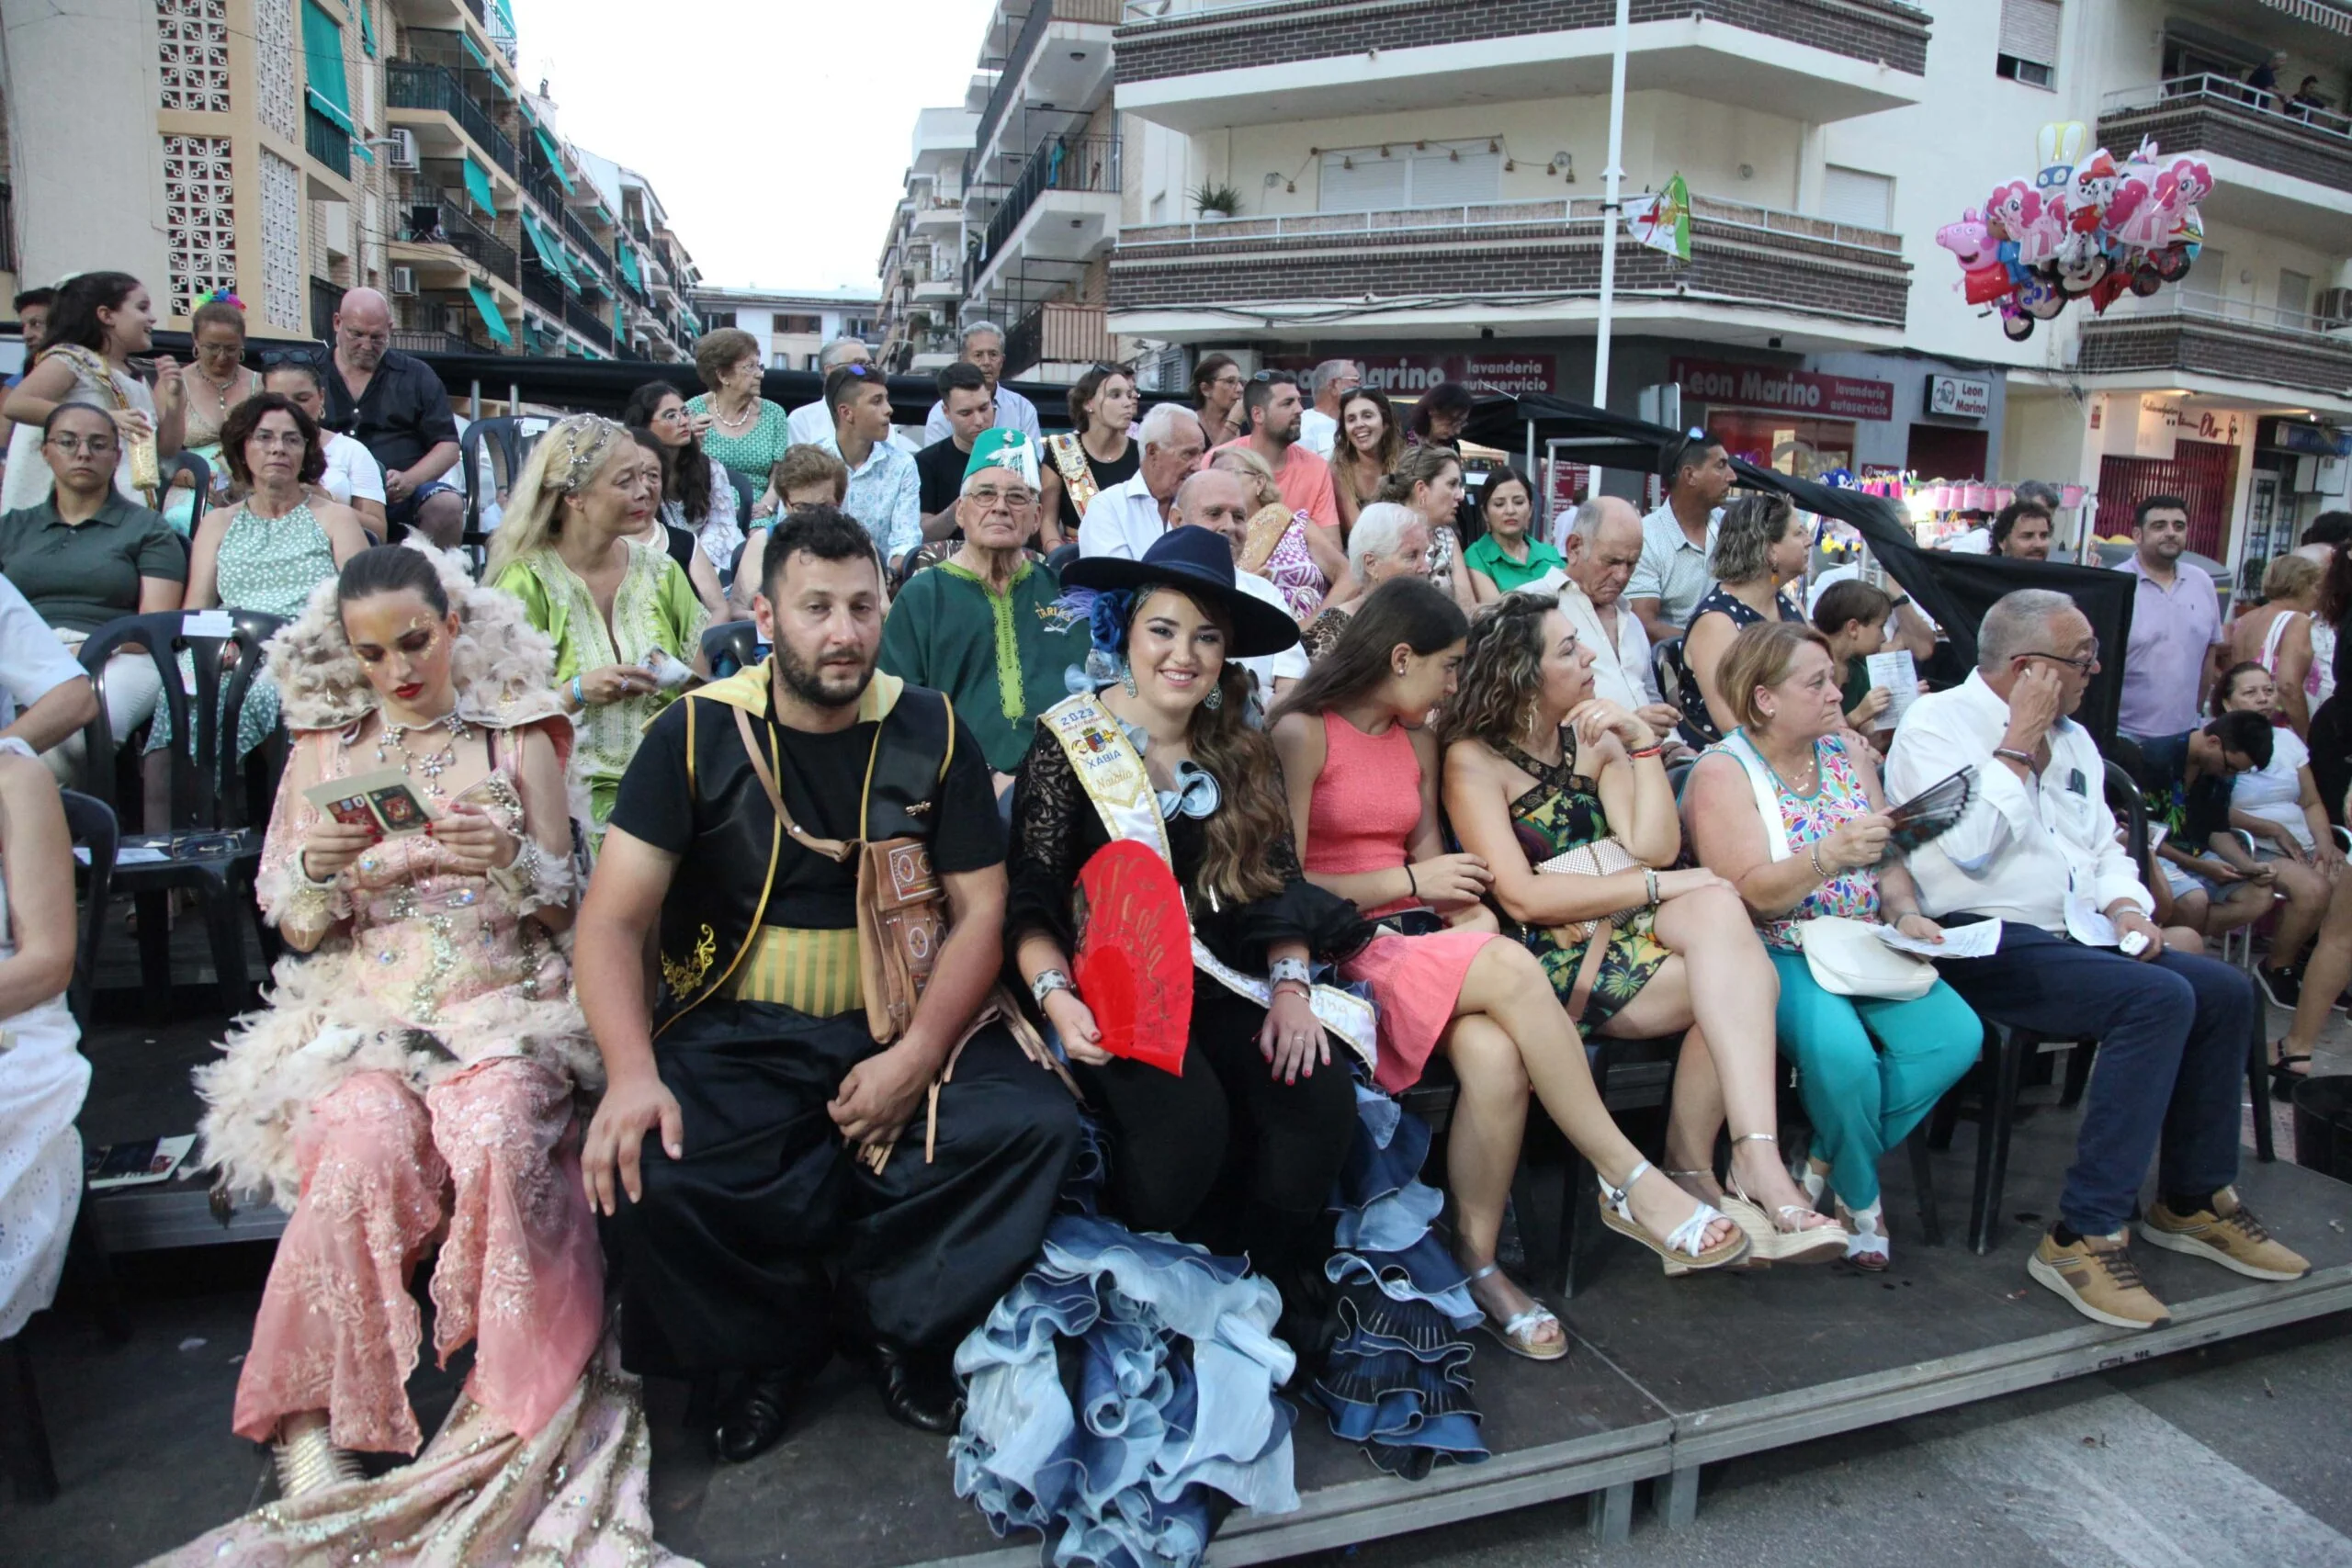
(793,325)
(1016,225)
(289,150)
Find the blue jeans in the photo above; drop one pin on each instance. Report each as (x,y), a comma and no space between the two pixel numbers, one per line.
(2172,1046)
(1869,1069)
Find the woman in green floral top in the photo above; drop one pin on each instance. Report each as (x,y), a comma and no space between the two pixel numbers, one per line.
(1536,765)
(738,426)
(609,603)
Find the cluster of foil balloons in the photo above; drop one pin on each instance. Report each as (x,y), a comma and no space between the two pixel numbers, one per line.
(2080,229)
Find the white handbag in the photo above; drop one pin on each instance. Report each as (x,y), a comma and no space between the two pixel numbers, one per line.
(1846,956)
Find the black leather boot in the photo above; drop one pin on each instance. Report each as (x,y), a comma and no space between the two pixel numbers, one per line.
(753,1418)
(919,1388)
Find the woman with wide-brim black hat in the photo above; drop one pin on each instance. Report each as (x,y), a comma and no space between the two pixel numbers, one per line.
(1239,1152)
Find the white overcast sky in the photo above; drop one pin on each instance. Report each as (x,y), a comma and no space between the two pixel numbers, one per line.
(732,108)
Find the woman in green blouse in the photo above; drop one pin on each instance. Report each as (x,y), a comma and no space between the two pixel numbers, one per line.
(1507,559)
(614,608)
(738,426)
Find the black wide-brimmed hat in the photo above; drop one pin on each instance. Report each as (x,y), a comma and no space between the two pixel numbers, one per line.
(1199,562)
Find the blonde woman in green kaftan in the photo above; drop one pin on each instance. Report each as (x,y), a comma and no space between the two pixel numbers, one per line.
(566,551)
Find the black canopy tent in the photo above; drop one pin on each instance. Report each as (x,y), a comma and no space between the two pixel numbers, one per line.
(1956,589)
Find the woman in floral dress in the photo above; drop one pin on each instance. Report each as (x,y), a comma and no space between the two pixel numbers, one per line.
(1536,766)
(568,550)
(415,1079)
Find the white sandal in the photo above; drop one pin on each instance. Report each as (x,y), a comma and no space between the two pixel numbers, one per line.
(1784,1237)
(1518,1334)
(1813,1182)
(1867,1247)
(1681,1251)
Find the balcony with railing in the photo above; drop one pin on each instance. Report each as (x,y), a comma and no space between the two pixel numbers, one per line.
(411,85)
(599,252)
(1197,65)
(1059,333)
(1070,177)
(543,188)
(410,341)
(542,287)
(1541,260)
(584,321)
(328,143)
(2222,118)
(1063,81)
(2187,332)
(432,216)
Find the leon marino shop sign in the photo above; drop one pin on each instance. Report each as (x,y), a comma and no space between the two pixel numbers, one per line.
(1720,384)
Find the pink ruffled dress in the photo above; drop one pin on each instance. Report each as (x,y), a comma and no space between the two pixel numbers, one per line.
(1367,803)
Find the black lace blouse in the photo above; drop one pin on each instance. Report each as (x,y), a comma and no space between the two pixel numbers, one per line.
(1056,831)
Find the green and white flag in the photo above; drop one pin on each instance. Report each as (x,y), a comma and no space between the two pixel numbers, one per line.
(1662,221)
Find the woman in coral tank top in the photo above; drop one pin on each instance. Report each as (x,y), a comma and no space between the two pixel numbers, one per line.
(1361,772)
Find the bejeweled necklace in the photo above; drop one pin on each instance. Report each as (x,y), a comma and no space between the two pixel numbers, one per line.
(432,763)
(750,412)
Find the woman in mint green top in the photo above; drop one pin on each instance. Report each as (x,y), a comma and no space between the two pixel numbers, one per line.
(738,427)
(567,550)
(1504,558)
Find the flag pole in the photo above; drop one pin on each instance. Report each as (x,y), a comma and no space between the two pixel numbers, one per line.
(1612,178)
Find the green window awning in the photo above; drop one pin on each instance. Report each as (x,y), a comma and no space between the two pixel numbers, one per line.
(486,307)
(555,157)
(329,91)
(478,187)
(620,323)
(549,251)
(367,25)
(627,259)
(465,41)
(590,278)
(505,16)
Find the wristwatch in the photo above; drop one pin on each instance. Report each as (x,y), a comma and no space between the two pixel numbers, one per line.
(1046,984)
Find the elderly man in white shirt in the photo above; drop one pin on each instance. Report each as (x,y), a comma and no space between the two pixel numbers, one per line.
(1602,544)
(810,424)
(2080,959)
(1123,519)
(984,349)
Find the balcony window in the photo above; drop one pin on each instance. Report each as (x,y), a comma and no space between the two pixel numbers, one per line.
(1363,180)
(2029,51)
(328,90)
(2294,298)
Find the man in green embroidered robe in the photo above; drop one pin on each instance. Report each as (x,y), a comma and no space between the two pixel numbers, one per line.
(986,626)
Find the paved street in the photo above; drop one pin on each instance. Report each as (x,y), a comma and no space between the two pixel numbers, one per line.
(2239,1457)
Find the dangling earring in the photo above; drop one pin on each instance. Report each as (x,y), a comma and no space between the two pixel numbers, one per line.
(1215,700)
(1128,676)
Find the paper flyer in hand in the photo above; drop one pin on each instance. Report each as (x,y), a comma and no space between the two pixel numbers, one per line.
(1900,677)
(1978,939)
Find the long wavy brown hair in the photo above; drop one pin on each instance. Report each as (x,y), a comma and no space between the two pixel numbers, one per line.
(1254,816)
(1502,671)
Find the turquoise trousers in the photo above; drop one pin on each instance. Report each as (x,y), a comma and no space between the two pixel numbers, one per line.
(1869,1070)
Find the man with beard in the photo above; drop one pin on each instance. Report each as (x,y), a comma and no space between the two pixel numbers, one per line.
(791,1153)
(1275,410)
(2021,531)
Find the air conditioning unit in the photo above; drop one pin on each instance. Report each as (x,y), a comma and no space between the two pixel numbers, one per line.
(402,153)
(403,280)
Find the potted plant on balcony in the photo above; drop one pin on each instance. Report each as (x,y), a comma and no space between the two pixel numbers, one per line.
(1222,201)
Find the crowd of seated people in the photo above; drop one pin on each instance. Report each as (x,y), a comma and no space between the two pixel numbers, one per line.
(712,1026)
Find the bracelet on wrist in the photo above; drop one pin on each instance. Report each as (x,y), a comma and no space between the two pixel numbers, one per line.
(579,698)
(1291,969)
(1652,750)
(1649,879)
(1411,881)
(1048,982)
(1813,853)
(2012,754)
(1296,987)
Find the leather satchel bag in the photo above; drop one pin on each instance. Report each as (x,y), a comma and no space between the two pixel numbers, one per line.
(1602,857)
(901,921)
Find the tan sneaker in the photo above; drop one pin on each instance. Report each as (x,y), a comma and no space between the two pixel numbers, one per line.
(2227,1234)
(2098,1278)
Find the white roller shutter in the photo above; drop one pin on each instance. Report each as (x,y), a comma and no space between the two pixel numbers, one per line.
(1373,185)
(1441,179)
(1852,196)
(2029,30)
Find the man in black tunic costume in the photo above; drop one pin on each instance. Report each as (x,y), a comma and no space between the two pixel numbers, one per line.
(757,1142)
